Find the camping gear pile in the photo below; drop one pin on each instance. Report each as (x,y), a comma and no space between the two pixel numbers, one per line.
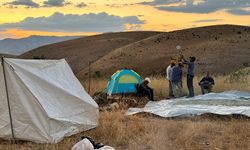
(87,143)
(225,103)
(42,101)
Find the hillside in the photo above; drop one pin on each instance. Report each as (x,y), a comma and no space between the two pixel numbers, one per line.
(19,46)
(7,55)
(79,52)
(220,49)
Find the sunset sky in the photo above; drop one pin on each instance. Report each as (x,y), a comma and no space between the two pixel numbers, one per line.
(22,18)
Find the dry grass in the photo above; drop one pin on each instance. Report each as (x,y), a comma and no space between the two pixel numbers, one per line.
(150,132)
(160,85)
(222,83)
(97,85)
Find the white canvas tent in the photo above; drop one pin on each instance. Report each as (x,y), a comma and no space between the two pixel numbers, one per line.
(42,101)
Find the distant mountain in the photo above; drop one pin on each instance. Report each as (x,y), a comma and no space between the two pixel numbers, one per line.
(19,46)
(7,56)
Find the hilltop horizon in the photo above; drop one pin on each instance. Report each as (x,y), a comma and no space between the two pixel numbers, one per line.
(150,52)
(18,46)
(37,35)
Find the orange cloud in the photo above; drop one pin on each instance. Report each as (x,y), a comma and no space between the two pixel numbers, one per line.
(16,33)
(155,19)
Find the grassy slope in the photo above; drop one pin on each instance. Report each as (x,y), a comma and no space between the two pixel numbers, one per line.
(7,56)
(79,52)
(220,49)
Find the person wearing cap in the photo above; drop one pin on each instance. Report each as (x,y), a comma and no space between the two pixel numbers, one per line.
(190,74)
(146,89)
(168,76)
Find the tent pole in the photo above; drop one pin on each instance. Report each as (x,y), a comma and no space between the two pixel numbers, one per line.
(8,101)
(89,77)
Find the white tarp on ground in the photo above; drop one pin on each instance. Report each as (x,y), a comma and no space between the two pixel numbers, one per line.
(47,102)
(225,103)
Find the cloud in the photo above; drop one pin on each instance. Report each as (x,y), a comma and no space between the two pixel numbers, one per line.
(205,6)
(160,2)
(114,5)
(239,11)
(27,3)
(5,35)
(206,20)
(55,3)
(81,5)
(119,5)
(58,22)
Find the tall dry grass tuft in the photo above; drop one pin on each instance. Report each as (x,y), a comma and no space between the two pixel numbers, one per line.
(96,85)
(117,128)
(160,85)
(222,83)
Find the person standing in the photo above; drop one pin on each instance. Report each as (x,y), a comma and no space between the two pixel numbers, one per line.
(176,80)
(169,74)
(190,74)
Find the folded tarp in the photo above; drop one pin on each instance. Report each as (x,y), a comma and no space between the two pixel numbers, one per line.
(225,103)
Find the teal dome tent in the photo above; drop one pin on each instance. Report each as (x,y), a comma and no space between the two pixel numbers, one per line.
(123,82)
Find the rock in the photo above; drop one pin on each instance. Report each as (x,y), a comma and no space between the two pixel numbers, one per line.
(111,107)
(114,106)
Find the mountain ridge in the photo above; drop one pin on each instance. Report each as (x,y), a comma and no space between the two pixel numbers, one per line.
(81,51)
(220,49)
(22,45)
(201,42)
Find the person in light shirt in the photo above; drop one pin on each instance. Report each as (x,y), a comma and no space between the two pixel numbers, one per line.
(168,76)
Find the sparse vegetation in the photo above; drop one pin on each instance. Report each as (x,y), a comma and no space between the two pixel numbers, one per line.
(238,80)
(239,76)
(98,74)
(146,131)
(151,55)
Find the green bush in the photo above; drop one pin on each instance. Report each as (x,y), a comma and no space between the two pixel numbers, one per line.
(239,76)
(98,74)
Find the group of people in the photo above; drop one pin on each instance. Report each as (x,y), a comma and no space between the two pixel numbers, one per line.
(174,73)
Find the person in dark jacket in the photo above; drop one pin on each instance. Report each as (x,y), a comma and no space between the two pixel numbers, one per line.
(146,89)
(176,80)
(206,84)
(190,74)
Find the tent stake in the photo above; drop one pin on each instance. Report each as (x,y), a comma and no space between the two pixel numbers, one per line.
(8,101)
